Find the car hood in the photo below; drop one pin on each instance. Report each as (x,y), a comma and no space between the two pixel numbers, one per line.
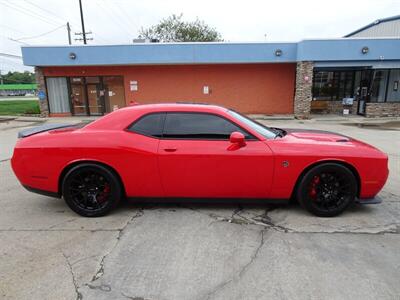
(321,137)
(317,135)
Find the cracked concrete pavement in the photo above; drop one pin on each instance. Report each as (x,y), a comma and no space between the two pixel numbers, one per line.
(190,251)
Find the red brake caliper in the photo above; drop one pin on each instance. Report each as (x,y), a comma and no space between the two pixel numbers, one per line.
(103,196)
(314,183)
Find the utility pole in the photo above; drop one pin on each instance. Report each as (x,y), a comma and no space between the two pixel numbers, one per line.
(69,33)
(83,33)
(83,23)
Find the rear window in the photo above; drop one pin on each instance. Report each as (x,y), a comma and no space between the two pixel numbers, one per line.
(150,125)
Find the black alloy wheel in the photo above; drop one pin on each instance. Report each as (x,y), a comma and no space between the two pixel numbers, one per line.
(91,190)
(327,189)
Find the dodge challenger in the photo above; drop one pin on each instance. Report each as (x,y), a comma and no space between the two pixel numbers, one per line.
(196,151)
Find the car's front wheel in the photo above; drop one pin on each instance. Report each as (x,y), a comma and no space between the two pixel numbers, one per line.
(326,190)
(91,190)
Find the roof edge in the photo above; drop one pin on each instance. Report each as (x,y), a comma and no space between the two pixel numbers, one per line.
(376,22)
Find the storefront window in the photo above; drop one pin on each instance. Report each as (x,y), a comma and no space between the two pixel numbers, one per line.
(323,85)
(378,86)
(393,94)
(333,85)
(114,92)
(57,90)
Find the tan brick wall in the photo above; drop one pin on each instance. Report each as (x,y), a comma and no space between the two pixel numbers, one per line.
(41,85)
(303,92)
(375,110)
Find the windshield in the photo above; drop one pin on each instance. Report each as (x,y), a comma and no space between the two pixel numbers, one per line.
(261,129)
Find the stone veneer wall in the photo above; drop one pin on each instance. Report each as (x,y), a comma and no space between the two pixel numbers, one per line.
(374,110)
(303,92)
(336,107)
(41,85)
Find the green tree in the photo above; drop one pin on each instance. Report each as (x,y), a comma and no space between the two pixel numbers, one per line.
(174,29)
(19,77)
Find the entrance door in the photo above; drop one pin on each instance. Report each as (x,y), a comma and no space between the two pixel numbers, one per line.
(363,92)
(87,96)
(95,97)
(78,96)
(94,100)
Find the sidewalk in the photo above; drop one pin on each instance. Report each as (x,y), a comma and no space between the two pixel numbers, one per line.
(353,119)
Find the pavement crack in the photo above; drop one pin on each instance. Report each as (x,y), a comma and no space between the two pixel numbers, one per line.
(217,289)
(4,160)
(255,254)
(100,271)
(243,269)
(132,298)
(78,294)
(63,222)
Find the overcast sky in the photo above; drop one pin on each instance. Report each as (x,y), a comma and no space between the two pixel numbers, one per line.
(118,21)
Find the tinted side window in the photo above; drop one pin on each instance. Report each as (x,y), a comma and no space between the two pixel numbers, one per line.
(151,125)
(199,126)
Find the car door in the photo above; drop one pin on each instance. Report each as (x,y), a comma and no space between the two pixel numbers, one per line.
(196,159)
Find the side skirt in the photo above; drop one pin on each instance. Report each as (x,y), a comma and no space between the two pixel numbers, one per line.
(213,201)
(375,200)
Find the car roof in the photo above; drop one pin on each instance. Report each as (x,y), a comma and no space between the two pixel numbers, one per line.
(178,106)
(124,116)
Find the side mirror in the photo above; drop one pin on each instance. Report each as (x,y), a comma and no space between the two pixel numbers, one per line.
(237,138)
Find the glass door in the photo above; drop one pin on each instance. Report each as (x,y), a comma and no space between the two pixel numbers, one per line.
(87,96)
(94,96)
(363,91)
(78,96)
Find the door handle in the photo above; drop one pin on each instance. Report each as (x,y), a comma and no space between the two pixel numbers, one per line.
(170,149)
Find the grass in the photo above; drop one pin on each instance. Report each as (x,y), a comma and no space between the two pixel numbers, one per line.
(18,107)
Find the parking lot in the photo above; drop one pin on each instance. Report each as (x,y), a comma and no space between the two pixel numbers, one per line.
(189,251)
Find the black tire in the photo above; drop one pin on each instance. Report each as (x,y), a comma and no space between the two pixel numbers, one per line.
(327,190)
(91,190)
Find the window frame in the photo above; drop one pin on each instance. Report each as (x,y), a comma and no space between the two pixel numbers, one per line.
(128,128)
(251,138)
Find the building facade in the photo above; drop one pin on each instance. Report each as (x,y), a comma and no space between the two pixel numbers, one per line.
(348,75)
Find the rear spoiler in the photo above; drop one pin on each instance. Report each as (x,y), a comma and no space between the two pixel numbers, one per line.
(34,130)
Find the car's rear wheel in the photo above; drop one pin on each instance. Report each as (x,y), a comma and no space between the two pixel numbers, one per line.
(91,190)
(326,190)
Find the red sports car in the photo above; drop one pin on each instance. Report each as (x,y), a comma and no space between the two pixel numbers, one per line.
(195,151)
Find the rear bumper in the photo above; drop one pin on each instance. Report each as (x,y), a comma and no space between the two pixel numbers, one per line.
(42,192)
(374,200)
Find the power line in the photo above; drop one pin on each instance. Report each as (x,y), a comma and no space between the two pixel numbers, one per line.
(11,39)
(39,35)
(52,14)
(47,11)
(10,28)
(114,18)
(126,17)
(23,11)
(8,55)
